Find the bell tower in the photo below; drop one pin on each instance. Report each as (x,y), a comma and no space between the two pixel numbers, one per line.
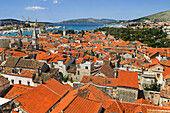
(64,31)
(35,40)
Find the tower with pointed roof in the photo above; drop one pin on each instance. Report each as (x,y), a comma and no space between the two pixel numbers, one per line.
(19,32)
(35,40)
(64,31)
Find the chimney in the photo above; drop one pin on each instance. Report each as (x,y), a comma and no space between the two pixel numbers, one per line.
(9,54)
(38,72)
(3,56)
(127,68)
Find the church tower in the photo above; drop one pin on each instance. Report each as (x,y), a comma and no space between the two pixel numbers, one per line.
(35,40)
(64,31)
(19,32)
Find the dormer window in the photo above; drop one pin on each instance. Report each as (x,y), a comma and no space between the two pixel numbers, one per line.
(91,80)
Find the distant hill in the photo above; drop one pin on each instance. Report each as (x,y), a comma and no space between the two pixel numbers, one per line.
(9,21)
(15,22)
(89,20)
(158,17)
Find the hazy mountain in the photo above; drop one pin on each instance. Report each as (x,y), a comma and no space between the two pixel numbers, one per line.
(15,21)
(89,20)
(162,16)
(9,21)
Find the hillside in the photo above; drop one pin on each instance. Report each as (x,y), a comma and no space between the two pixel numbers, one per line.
(15,22)
(9,21)
(162,16)
(89,20)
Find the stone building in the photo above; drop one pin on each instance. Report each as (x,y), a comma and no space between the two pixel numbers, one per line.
(107,85)
(165,91)
(28,72)
(41,99)
(123,88)
(127,86)
(4,85)
(4,42)
(104,70)
(5,105)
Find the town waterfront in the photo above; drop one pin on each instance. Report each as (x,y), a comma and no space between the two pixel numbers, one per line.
(73,26)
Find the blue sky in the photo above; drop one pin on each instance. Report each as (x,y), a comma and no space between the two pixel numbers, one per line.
(58,10)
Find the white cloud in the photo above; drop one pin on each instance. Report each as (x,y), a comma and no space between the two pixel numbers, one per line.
(55,1)
(35,8)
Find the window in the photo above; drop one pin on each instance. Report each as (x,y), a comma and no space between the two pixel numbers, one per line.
(86,67)
(158,75)
(19,81)
(158,68)
(28,82)
(91,80)
(78,72)
(12,81)
(108,82)
(7,78)
(152,96)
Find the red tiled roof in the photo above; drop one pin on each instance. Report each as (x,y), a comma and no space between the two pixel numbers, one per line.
(144,101)
(16,90)
(81,105)
(128,107)
(166,71)
(128,79)
(27,73)
(42,98)
(100,81)
(56,86)
(113,106)
(69,86)
(83,100)
(79,60)
(19,54)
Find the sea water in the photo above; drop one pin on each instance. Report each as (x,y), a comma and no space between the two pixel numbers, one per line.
(73,26)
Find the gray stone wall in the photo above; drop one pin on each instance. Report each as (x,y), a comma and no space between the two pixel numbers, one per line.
(127,94)
(4,43)
(152,95)
(110,91)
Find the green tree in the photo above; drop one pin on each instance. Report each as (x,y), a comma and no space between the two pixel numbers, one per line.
(152,87)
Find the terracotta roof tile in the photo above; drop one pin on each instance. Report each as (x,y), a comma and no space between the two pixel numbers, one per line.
(81,105)
(83,100)
(27,73)
(16,90)
(100,81)
(42,98)
(128,79)
(3,80)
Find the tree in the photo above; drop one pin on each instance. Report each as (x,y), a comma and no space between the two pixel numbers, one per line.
(148,36)
(70,31)
(152,87)
(65,78)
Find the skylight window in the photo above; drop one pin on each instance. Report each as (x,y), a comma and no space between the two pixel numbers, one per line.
(91,80)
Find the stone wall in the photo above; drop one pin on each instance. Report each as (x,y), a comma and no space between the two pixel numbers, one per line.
(4,43)
(127,94)
(111,91)
(4,88)
(152,95)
